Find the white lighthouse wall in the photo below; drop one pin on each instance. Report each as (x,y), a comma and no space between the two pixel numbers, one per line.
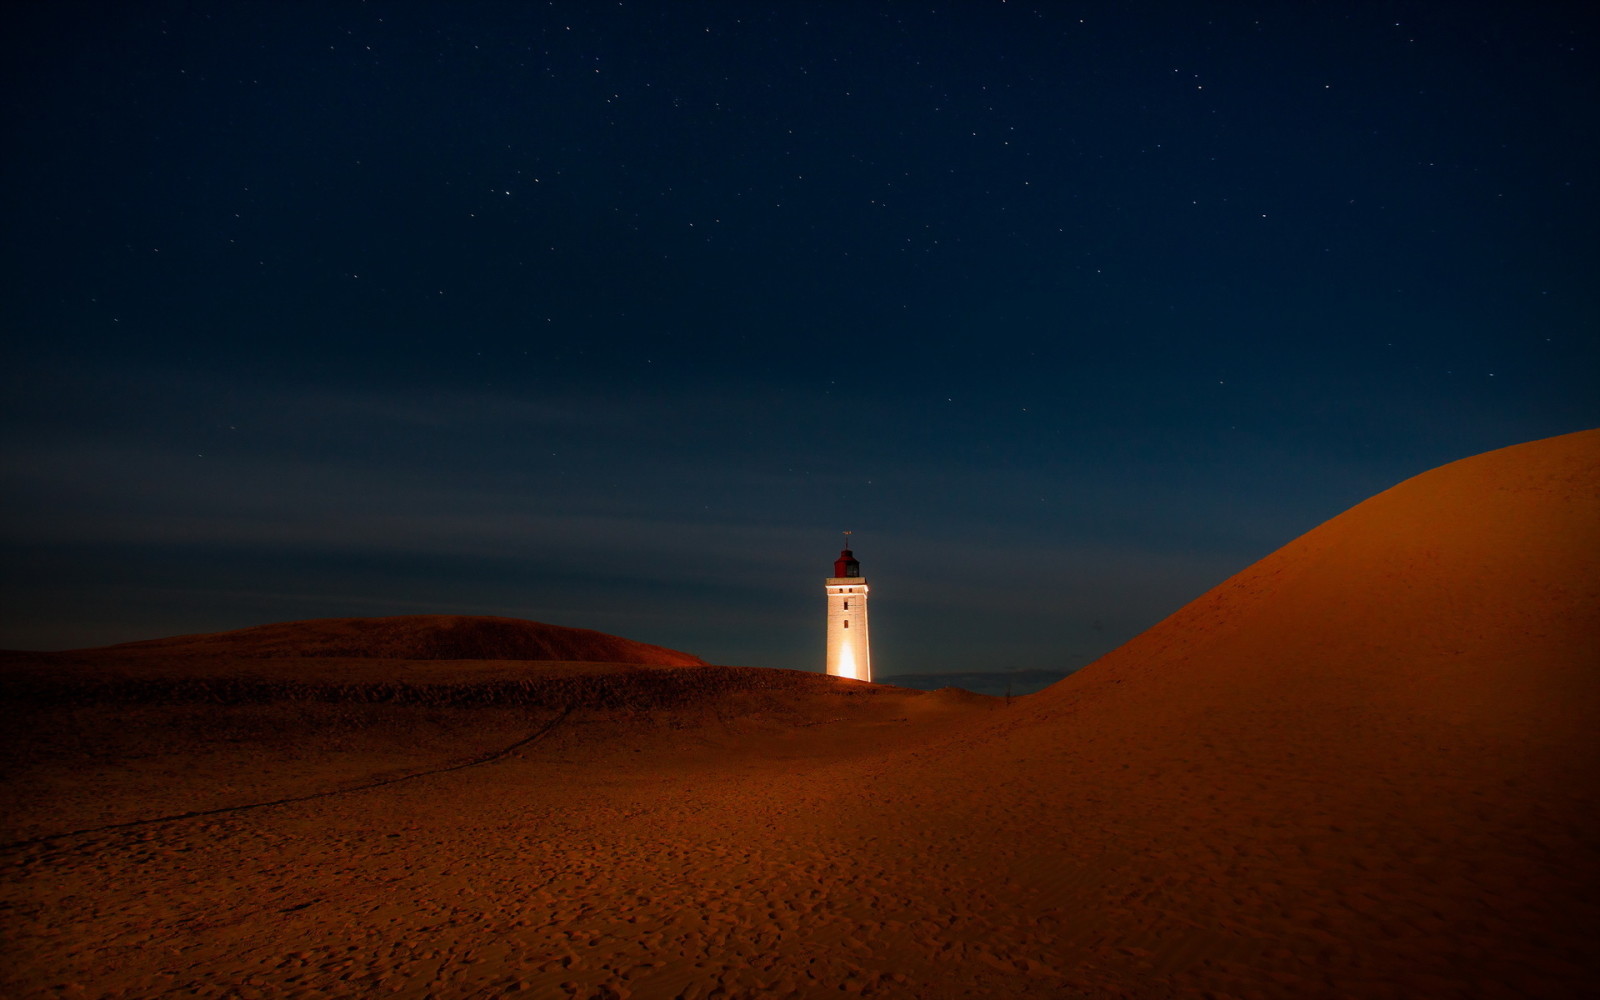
(849,652)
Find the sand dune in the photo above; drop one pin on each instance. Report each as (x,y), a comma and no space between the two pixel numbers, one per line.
(1364,767)
(415,637)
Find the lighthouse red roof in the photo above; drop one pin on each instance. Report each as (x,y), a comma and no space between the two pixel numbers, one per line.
(846,564)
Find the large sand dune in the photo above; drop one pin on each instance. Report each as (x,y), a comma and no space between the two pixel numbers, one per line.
(1364,767)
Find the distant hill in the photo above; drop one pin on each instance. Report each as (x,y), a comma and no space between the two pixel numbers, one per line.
(415,637)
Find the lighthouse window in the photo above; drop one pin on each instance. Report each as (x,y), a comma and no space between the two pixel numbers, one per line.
(847,604)
(847,624)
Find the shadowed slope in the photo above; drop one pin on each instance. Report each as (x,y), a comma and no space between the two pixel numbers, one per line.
(417,637)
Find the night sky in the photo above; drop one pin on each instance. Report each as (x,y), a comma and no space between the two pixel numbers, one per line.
(614,315)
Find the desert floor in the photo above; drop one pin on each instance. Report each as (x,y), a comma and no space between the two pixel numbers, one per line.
(771,844)
(650,853)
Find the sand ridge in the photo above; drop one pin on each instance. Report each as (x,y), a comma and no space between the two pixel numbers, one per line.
(1364,767)
(415,637)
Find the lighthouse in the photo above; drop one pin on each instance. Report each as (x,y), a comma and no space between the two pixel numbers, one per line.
(848,652)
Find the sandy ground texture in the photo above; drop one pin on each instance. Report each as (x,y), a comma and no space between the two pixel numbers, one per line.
(1365,767)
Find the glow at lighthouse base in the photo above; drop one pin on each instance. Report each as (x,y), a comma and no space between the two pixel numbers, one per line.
(847,662)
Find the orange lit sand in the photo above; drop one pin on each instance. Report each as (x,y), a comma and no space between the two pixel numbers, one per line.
(1365,767)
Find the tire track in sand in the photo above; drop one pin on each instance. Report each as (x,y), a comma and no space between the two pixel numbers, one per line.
(485,758)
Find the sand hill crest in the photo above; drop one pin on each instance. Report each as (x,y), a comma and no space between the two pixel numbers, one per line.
(418,637)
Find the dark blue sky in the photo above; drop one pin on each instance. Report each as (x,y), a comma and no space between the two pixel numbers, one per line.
(613,315)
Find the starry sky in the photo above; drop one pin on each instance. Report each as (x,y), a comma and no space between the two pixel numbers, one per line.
(614,315)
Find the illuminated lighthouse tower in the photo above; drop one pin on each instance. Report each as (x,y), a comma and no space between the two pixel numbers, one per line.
(848,654)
